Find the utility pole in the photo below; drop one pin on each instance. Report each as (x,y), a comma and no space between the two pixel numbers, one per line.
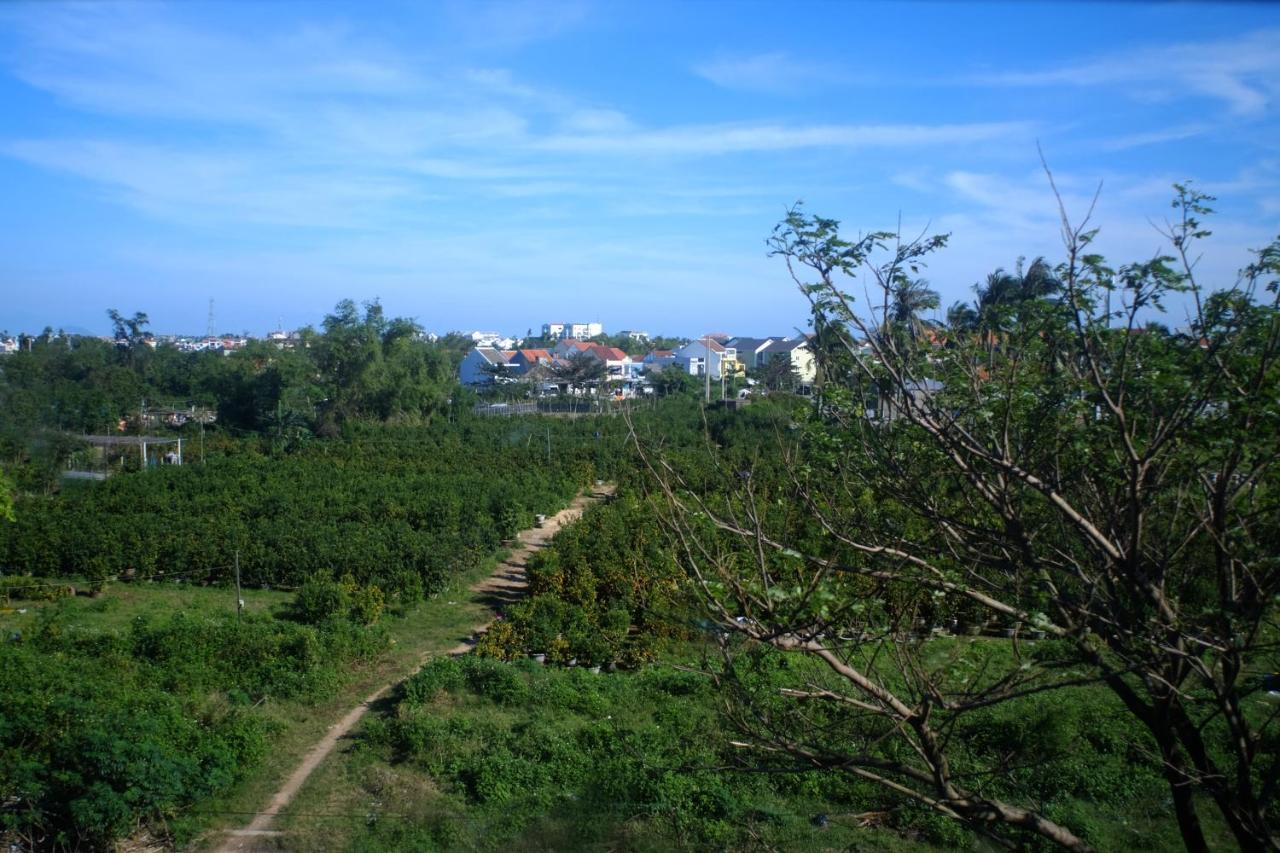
(142,445)
(548,444)
(239,600)
(706,366)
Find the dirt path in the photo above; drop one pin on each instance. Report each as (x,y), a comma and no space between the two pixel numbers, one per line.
(505,585)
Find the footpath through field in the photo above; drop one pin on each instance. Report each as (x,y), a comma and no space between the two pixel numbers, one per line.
(506,584)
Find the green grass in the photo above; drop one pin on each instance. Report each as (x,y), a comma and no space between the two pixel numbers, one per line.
(483,755)
(521,757)
(116,608)
(431,627)
(369,796)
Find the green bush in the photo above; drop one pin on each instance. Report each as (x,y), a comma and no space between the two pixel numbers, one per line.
(539,753)
(600,594)
(105,729)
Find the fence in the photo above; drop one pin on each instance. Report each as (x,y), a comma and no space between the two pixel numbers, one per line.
(553,406)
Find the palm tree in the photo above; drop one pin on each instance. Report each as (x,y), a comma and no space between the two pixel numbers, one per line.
(1003,293)
(911,298)
(963,317)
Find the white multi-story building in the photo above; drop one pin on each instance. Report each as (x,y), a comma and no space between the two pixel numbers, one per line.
(581,331)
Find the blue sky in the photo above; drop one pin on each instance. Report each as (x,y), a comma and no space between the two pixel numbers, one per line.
(497,165)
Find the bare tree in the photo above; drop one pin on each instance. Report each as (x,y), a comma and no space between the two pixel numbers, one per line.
(1082,472)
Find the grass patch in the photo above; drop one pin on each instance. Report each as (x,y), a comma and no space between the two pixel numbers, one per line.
(122,603)
(430,627)
(124,641)
(476,754)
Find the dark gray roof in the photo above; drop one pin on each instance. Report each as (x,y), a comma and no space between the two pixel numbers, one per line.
(786,346)
(745,344)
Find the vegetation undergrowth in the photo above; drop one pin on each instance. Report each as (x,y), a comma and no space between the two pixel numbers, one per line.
(131,714)
(107,727)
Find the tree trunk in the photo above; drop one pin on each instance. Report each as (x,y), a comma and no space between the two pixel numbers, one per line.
(1183,792)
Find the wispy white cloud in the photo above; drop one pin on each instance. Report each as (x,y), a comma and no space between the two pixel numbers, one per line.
(1243,72)
(207,186)
(322,126)
(118,60)
(690,140)
(769,73)
(1155,137)
(996,217)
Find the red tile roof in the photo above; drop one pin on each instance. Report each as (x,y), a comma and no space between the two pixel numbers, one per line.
(607,353)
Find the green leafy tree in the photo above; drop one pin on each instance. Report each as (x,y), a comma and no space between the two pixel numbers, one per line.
(582,370)
(1095,478)
(6,497)
(128,330)
(672,379)
(778,374)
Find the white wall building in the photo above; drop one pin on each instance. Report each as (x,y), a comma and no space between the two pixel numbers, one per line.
(491,339)
(703,354)
(581,331)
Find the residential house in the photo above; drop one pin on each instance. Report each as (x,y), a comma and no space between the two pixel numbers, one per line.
(706,355)
(283,339)
(480,366)
(491,339)
(637,336)
(617,362)
(797,351)
(658,359)
(748,350)
(569,347)
(523,360)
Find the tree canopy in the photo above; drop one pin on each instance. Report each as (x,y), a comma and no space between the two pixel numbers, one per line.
(1051,464)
